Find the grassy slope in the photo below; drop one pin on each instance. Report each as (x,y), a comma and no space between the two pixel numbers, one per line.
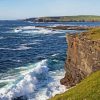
(88,89)
(80,18)
(94,34)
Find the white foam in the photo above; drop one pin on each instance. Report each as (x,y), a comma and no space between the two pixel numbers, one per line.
(54,55)
(1,37)
(38,31)
(16,60)
(21,29)
(35,30)
(17,30)
(30,22)
(55,25)
(47,31)
(62,36)
(53,86)
(5,49)
(31,43)
(26,84)
(21,47)
(28,27)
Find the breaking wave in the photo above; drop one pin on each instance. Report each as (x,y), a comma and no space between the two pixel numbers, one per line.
(26,83)
(35,30)
(31,79)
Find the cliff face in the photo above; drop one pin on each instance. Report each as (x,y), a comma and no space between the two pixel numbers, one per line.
(83,58)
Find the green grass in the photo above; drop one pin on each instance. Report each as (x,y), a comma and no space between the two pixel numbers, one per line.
(94,34)
(74,18)
(80,18)
(88,89)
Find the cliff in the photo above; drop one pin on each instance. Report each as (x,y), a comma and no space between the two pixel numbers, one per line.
(82,67)
(83,56)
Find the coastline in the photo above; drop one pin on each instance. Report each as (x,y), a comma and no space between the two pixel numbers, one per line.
(82,59)
(35,80)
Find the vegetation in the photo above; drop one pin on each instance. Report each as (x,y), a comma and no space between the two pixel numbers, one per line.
(88,89)
(94,34)
(81,18)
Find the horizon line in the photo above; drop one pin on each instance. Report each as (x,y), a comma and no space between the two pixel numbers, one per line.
(48,16)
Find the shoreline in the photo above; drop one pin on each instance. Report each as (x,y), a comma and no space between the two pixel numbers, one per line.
(83,48)
(59,27)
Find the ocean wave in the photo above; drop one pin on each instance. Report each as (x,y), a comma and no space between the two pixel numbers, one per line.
(28,27)
(54,55)
(55,25)
(26,83)
(21,47)
(17,30)
(33,78)
(1,37)
(20,29)
(16,60)
(35,30)
(7,80)
(53,86)
(42,31)
(62,36)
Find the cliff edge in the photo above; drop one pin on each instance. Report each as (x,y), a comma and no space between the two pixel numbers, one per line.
(82,66)
(83,56)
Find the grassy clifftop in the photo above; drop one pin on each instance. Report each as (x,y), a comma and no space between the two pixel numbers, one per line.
(88,89)
(94,34)
(86,53)
(82,18)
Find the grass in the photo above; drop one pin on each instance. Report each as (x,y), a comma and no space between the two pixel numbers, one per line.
(80,18)
(88,89)
(94,34)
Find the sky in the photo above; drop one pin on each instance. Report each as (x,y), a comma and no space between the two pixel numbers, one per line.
(20,9)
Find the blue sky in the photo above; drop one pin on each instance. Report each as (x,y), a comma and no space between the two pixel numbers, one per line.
(18,9)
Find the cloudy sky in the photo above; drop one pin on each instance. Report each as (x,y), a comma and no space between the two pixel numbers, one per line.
(19,9)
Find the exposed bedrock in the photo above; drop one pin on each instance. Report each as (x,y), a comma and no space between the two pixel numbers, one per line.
(65,27)
(83,58)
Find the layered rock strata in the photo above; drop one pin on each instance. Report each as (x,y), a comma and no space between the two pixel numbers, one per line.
(83,58)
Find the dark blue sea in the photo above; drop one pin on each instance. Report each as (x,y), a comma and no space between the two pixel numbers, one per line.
(32,59)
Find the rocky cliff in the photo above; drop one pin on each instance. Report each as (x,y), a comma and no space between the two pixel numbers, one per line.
(83,56)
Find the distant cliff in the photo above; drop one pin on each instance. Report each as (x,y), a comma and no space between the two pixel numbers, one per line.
(83,56)
(81,18)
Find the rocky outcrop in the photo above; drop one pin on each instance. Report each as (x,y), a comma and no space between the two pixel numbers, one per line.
(65,27)
(83,58)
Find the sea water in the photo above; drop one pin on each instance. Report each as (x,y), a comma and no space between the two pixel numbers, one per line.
(32,59)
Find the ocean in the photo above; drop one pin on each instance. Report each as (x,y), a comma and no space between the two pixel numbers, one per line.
(32,59)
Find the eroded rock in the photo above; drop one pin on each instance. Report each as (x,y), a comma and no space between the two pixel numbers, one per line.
(83,58)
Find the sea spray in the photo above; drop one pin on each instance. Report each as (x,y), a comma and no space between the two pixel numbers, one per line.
(27,81)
